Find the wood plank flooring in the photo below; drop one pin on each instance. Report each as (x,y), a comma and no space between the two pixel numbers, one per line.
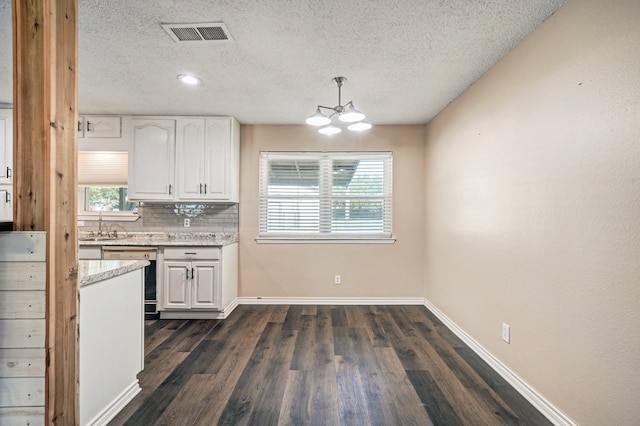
(318,365)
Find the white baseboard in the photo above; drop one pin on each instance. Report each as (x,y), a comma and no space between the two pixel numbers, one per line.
(545,407)
(229,308)
(110,411)
(331,300)
(195,314)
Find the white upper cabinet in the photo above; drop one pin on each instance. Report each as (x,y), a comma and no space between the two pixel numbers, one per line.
(207,159)
(221,168)
(190,147)
(151,159)
(183,158)
(6,146)
(99,126)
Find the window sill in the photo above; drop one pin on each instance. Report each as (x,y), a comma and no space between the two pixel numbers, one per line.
(109,216)
(282,240)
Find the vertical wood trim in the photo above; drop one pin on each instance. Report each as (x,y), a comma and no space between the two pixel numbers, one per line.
(63,247)
(31,112)
(45,141)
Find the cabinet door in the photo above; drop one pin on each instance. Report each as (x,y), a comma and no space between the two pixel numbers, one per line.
(205,285)
(6,145)
(216,158)
(6,203)
(177,285)
(96,126)
(151,160)
(190,159)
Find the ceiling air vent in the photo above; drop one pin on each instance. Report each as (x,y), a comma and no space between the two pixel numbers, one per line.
(197,32)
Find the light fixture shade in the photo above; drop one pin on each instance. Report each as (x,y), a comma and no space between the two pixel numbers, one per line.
(329,130)
(351,115)
(318,119)
(359,126)
(189,79)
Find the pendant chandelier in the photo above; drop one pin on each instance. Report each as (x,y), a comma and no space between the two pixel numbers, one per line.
(346,113)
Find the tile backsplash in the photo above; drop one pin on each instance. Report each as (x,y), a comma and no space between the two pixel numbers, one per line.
(170,218)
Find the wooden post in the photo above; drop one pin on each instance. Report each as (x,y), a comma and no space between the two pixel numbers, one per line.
(45,45)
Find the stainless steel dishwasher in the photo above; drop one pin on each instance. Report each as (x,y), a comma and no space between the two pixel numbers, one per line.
(140,253)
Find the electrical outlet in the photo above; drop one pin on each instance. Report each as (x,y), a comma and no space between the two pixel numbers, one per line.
(337,279)
(506,333)
(187,222)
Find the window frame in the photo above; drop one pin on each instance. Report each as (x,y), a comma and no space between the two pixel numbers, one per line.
(111,215)
(326,215)
(102,168)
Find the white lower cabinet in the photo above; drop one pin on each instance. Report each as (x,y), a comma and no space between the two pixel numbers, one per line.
(197,282)
(191,285)
(205,277)
(177,288)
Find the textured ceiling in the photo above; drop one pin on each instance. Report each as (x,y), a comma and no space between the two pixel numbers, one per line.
(404,60)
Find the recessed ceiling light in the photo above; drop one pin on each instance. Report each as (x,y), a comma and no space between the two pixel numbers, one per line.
(189,79)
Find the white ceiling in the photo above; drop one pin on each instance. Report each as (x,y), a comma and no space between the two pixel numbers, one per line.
(405,60)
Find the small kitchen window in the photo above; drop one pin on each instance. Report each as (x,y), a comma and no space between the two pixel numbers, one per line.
(107,199)
(102,185)
(325,196)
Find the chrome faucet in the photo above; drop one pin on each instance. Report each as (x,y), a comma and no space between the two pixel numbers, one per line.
(106,233)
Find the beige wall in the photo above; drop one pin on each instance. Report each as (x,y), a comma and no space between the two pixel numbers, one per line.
(307,270)
(533,210)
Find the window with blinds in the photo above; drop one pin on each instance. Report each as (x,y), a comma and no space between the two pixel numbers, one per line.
(102,175)
(102,168)
(325,195)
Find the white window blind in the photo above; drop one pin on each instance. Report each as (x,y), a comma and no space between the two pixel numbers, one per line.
(325,195)
(102,168)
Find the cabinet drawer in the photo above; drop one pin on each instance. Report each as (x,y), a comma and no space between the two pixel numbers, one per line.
(192,253)
(89,253)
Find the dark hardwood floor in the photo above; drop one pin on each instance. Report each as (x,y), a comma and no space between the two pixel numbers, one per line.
(319,365)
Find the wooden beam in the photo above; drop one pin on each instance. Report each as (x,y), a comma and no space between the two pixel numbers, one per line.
(45,46)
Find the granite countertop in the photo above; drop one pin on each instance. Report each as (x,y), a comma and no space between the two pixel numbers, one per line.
(92,271)
(161,239)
